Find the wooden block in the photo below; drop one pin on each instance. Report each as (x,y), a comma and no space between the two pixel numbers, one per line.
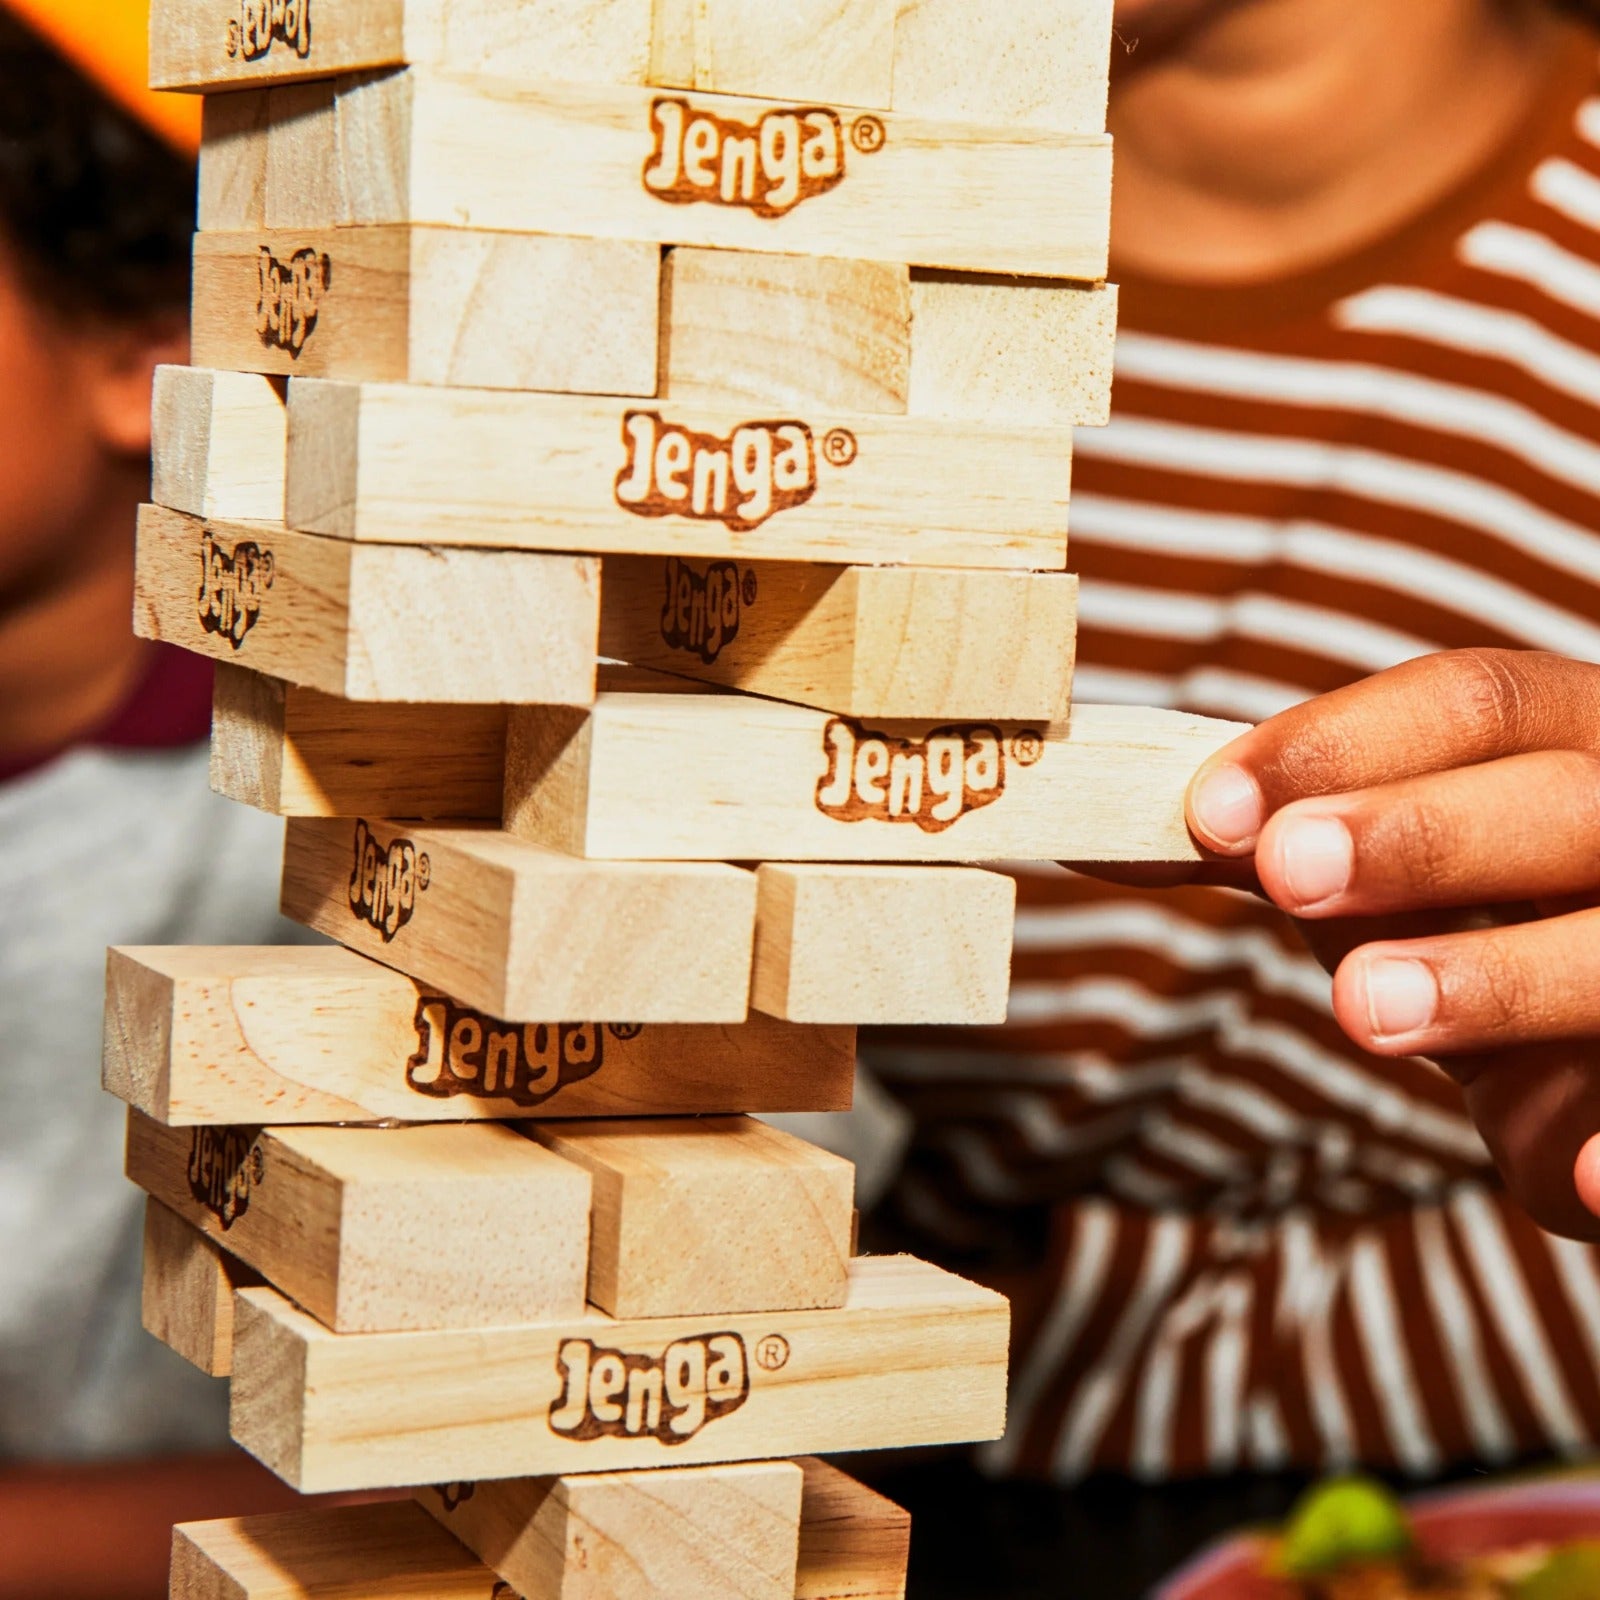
(862,641)
(431,305)
(292,1034)
(697,1217)
(785,330)
(1027,63)
(527,933)
(218,443)
(390,1551)
(713,1533)
(915,1356)
(223,44)
(883,944)
(836,52)
(405,464)
(374,622)
(854,1544)
(522,156)
(186,1296)
(235,134)
(298,752)
(717,776)
(381,1228)
(996,350)
(303,150)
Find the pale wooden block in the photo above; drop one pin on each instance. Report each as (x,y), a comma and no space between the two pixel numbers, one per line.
(710,1215)
(371,622)
(523,156)
(996,350)
(862,641)
(401,463)
(832,52)
(431,305)
(391,1551)
(785,330)
(527,933)
(891,945)
(292,1034)
(303,171)
(186,1294)
(382,1228)
(689,776)
(298,752)
(714,1533)
(235,134)
(218,443)
(217,44)
(854,1544)
(1037,63)
(914,1356)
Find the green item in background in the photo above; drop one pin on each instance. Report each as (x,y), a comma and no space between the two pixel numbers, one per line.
(1572,1573)
(1345,1520)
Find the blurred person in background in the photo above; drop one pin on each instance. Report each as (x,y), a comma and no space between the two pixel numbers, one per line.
(108,831)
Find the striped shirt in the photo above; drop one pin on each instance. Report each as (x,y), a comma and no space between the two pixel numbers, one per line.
(1232,1239)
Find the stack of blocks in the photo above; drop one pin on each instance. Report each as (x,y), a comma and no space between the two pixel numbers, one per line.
(623,481)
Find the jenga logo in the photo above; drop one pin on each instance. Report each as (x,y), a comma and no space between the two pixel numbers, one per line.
(671,1397)
(702,610)
(385,881)
(767,167)
(462,1052)
(264,23)
(225,1165)
(291,298)
(932,782)
(232,587)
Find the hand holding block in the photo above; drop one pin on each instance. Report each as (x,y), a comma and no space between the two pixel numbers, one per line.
(291,1034)
(186,1295)
(714,1533)
(854,1544)
(218,443)
(914,1356)
(378,622)
(887,945)
(860,641)
(711,1215)
(699,776)
(526,933)
(378,1228)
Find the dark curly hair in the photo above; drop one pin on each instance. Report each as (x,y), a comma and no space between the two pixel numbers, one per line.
(97,210)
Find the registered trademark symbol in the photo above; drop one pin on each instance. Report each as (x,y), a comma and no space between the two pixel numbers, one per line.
(624,1030)
(424,871)
(839,448)
(868,135)
(772,1354)
(1026,748)
(749,586)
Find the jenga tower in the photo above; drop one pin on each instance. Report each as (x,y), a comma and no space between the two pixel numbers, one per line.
(737,346)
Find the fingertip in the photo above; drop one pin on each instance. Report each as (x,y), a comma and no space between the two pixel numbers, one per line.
(1586,1174)
(1226,809)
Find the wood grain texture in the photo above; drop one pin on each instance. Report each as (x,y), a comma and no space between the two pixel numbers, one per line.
(292,1034)
(915,1356)
(391,1551)
(717,776)
(199,44)
(424,146)
(861,641)
(186,1293)
(382,1228)
(996,350)
(854,1544)
(785,330)
(828,52)
(714,1533)
(698,1217)
(218,443)
(406,464)
(371,622)
(298,752)
(527,933)
(889,945)
(430,305)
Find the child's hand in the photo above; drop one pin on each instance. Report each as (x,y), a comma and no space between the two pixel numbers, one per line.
(1438,829)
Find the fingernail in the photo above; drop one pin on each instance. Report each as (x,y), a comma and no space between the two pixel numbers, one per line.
(1317,857)
(1402,996)
(1227,806)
